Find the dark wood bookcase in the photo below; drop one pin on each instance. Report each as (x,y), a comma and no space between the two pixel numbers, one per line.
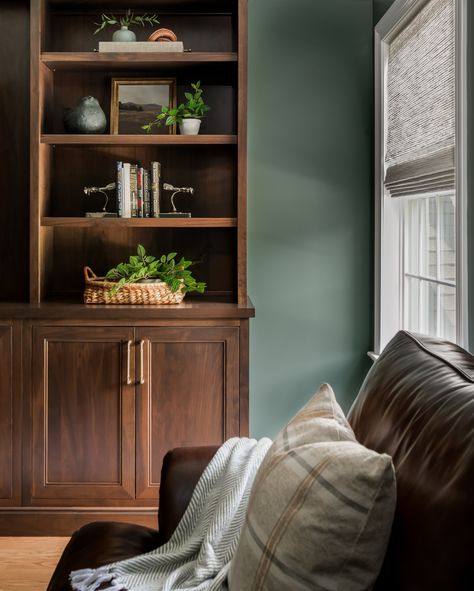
(64,68)
(98,394)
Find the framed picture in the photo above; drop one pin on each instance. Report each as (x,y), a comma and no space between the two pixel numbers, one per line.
(136,102)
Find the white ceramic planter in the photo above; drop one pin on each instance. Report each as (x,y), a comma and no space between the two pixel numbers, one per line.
(190,126)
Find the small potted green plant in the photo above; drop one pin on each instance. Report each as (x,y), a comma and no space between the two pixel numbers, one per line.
(124,22)
(187,115)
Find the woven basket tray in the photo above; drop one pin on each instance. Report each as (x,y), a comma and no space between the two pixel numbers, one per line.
(97,291)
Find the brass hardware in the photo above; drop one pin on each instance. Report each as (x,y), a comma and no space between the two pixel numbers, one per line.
(142,365)
(129,363)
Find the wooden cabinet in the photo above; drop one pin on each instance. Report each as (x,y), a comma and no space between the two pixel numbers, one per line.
(187,394)
(83,411)
(10,411)
(109,402)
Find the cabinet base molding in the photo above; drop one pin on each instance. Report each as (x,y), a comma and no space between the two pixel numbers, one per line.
(65,521)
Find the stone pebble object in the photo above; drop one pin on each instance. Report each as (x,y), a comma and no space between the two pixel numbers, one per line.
(87,117)
(163,35)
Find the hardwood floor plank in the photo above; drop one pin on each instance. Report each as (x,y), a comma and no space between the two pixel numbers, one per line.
(26,564)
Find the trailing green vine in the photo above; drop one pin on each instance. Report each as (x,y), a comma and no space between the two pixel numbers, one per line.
(175,274)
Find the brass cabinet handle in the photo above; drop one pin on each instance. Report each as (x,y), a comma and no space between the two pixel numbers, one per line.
(142,363)
(129,362)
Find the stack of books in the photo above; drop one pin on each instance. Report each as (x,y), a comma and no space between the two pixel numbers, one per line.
(138,190)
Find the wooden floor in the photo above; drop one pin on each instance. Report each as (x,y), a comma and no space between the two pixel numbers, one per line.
(26,564)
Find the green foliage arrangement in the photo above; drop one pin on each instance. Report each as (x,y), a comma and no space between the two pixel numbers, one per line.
(194,108)
(129,18)
(175,274)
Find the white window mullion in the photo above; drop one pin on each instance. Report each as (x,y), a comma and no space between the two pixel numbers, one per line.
(462,329)
(438,269)
(422,227)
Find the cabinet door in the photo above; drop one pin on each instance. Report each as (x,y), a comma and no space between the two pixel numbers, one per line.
(188,394)
(10,411)
(83,414)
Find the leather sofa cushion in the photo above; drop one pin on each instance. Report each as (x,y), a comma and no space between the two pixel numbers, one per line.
(417,405)
(320,510)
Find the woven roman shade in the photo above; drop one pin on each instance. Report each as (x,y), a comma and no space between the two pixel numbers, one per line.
(421,109)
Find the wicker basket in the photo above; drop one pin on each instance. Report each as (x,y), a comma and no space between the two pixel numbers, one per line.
(98,290)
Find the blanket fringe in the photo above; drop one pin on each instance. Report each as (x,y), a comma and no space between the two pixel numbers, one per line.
(89,579)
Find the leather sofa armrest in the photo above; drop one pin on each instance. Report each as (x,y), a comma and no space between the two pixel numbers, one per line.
(100,543)
(182,468)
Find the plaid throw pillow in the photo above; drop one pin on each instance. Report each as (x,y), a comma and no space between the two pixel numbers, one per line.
(320,510)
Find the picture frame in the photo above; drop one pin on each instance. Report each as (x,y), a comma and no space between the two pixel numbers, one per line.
(136,102)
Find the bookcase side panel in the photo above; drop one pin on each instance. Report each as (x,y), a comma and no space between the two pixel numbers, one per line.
(14,123)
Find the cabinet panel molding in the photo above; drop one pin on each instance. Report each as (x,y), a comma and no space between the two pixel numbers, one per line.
(83,414)
(187,394)
(10,413)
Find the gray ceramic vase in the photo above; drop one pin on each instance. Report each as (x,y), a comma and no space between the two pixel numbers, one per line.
(124,34)
(87,117)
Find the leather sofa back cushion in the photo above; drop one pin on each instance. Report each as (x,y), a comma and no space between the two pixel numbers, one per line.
(320,510)
(417,404)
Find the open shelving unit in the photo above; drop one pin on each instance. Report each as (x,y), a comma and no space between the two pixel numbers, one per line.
(65,66)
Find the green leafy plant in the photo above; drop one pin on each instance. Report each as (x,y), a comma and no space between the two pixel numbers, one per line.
(194,108)
(129,18)
(175,274)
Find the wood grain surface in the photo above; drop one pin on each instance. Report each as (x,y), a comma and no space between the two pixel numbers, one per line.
(14,129)
(27,564)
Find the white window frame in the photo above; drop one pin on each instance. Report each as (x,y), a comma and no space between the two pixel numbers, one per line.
(388,295)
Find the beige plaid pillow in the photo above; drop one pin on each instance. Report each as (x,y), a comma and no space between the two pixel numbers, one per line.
(320,510)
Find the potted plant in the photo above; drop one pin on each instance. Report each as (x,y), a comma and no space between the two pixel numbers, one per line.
(187,115)
(143,280)
(124,22)
(143,268)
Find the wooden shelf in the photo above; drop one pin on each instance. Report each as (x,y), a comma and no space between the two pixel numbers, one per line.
(190,308)
(132,61)
(171,6)
(137,140)
(140,222)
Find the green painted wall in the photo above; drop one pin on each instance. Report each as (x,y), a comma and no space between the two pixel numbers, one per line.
(380,8)
(310,202)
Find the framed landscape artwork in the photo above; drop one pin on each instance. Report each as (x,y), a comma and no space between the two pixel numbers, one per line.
(136,102)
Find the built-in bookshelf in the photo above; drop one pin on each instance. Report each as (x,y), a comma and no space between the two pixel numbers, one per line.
(133,381)
(65,66)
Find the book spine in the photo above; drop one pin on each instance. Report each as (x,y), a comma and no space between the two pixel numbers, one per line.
(119,189)
(146,194)
(134,190)
(140,211)
(126,190)
(155,188)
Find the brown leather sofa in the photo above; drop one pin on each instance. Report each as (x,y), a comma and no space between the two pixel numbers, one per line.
(416,404)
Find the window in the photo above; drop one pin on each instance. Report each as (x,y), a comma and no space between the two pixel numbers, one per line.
(421,277)
(429,265)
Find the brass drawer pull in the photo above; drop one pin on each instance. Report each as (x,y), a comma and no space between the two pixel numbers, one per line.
(129,363)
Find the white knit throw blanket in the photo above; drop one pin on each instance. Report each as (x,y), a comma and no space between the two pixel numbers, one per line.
(198,554)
